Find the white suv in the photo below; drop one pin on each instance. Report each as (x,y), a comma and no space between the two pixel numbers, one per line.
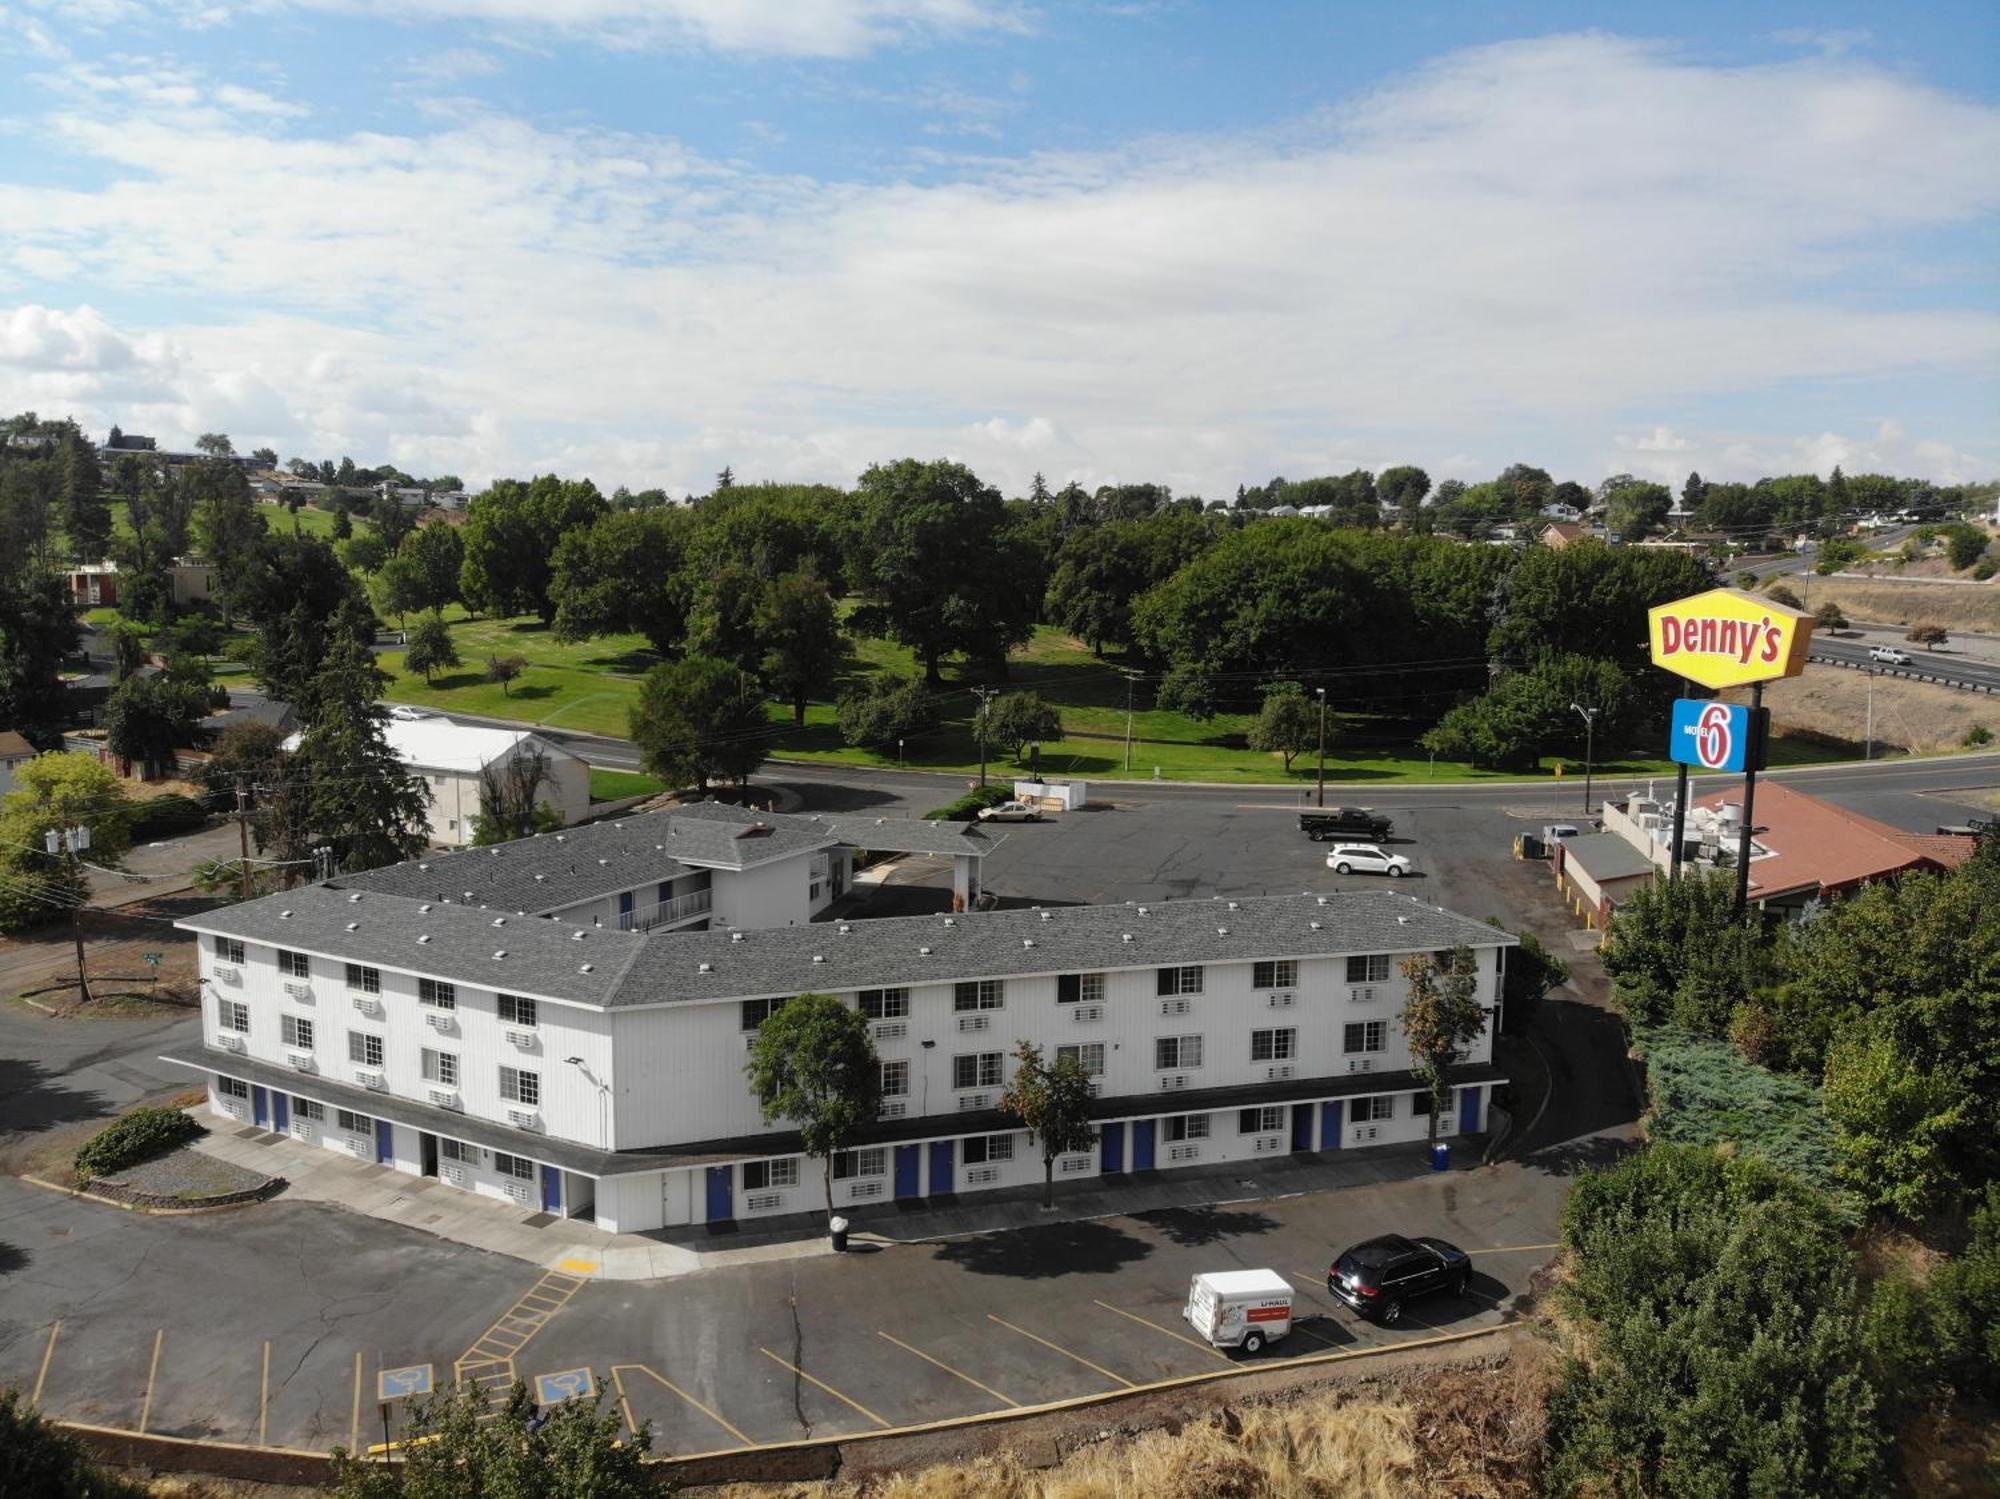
(1367,858)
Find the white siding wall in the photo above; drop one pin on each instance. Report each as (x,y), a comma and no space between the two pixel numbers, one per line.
(768,895)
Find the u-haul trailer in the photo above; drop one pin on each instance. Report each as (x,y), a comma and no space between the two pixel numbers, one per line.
(1240,1308)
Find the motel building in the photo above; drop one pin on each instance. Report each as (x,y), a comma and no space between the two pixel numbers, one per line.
(562,1021)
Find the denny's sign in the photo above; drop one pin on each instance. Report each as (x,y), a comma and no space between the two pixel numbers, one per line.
(1726,638)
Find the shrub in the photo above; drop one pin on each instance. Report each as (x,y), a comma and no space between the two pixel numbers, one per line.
(966,808)
(38,1457)
(1977,735)
(1986,568)
(1929,636)
(1829,616)
(139,1136)
(167,816)
(1746,580)
(1532,970)
(1778,593)
(1965,545)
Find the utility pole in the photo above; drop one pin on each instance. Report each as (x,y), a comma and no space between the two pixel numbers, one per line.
(985,696)
(1322,744)
(72,839)
(1868,745)
(243,831)
(1589,748)
(1128,723)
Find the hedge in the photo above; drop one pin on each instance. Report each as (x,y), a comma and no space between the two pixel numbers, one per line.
(166,817)
(139,1136)
(966,808)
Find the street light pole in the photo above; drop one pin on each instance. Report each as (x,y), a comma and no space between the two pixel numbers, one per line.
(1589,749)
(1322,744)
(1128,723)
(985,696)
(1868,746)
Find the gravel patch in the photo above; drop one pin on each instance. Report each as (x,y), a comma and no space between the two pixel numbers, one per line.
(187,1173)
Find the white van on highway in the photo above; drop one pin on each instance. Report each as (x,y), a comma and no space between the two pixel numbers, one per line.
(1240,1308)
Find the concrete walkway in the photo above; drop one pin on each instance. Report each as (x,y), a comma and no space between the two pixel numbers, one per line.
(578,1247)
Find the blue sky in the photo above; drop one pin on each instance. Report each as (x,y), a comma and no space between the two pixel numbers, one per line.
(1200,244)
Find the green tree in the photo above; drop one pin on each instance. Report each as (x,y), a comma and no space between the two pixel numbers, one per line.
(1899,1121)
(455,1445)
(1588,599)
(227,527)
(723,621)
(511,535)
(1053,1103)
(364,553)
(511,801)
(53,793)
(86,516)
(343,524)
(362,800)
(1930,637)
(880,712)
(40,1458)
(625,571)
(1828,616)
(800,635)
(438,553)
(1019,719)
(1678,952)
(293,589)
(814,1066)
(148,718)
(1528,714)
(1531,972)
(215,444)
(1404,488)
(504,669)
(1287,724)
(399,587)
(431,647)
(698,720)
(393,522)
(38,631)
(1441,1016)
(1635,509)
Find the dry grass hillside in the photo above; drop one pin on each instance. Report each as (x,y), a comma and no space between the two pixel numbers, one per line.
(1956,606)
(1832,706)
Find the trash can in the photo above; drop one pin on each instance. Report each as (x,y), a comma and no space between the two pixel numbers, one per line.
(838,1228)
(1440,1161)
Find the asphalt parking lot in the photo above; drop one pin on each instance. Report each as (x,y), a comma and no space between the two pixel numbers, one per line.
(275,1323)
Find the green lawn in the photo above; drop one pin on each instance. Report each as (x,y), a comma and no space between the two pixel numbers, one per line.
(616,785)
(311,522)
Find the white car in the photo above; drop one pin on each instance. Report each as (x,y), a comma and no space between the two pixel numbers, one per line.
(1889,656)
(1367,858)
(403,713)
(1011,812)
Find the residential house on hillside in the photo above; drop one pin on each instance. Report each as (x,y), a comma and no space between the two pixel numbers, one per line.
(14,753)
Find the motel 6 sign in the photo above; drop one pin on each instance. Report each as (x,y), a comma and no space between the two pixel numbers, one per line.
(1727,638)
(1712,735)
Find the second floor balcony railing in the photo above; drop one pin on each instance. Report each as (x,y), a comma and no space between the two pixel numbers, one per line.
(667,912)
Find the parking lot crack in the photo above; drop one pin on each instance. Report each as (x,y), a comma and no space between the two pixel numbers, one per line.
(300,1364)
(798,1358)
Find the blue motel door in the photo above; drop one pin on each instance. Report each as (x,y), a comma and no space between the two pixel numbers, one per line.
(280,1113)
(941,1164)
(385,1143)
(260,1106)
(1302,1126)
(721,1206)
(1329,1125)
(551,1190)
(1142,1144)
(1468,1110)
(1112,1160)
(909,1167)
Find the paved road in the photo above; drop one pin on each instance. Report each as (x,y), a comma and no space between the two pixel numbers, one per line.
(1948,669)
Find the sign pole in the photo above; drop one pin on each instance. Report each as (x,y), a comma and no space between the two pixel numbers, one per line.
(1680,820)
(1749,798)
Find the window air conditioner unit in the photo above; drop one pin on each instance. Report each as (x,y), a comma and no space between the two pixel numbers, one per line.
(1360,1064)
(970,1101)
(360,1147)
(975,1022)
(1177,1154)
(1364,995)
(229,1041)
(302,1061)
(439,1022)
(1284,999)
(524,1119)
(1267,1144)
(454,1174)
(302,1129)
(1173,1082)
(367,1004)
(982,1176)
(750,1042)
(1083,1014)
(301,992)
(1365,1132)
(227,975)
(1096,1087)
(865,1189)
(518,1191)
(891,1030)
(763,1202)
(1073,1165)
(894,1109)
(445,1098)
(1282,1073)
(523,1039)
(371,1079)
(1174,1007)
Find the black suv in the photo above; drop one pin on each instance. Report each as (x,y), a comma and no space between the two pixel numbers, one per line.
(1377,1277)
(1345,823)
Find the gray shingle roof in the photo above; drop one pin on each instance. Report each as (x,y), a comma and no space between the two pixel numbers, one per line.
(545,957)
(551,870)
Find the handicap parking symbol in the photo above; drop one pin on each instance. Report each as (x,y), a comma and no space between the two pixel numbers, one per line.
(393,1384)
(565,1384)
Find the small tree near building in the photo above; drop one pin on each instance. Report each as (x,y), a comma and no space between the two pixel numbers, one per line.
(510,800)
(504,669)
(1441,1015)
(1019,719)
(814,1066)
(1053,1102)
(431,646)
(700,720)
(1287,724)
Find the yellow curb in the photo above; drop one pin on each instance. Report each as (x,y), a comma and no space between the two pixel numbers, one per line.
(86,1195)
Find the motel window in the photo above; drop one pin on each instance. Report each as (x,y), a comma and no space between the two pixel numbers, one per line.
(295,965)
(1278,974)
(515,1011)
(354,1124)
(231,1015)
(365,980)
(1181,1127)
(1185,980)
(1260,1121)
(1176,1053)
(228,950)
(976,1070)
(1085,988)
(757,1011)
(516,1166)
(309,1108)
(521,1087)
(1279,1045)
(1365,1035)
(296,1032)
(437,994)
(458,1150)
(979,994)
(763,1176)
(1420,1103)
(896,1078)
(1367,1110)
(363,1049)
(232,1087)
(441,1067)
(979,1150)
(1368,968)
(1089,1055)
(848,1164)
(885,1004)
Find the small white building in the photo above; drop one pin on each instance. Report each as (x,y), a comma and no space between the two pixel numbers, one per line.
(455,759)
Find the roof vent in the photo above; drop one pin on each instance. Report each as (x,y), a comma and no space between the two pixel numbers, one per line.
(1402,921)
(1322,900)
(1127,936)
(539,878)
(923,952)
(845,929)
(468,895)
(604,861)
(1234,907)
(423,937)
(499,921)
(354,897)
(1313,924)
(819,957)
(735,936)
(578,935)
(284,915)
(704,968)
(1144,912)
(950,921)
(585,967)
(425,906)
(1048,916)
(354,926)
(560,838)
(1222,931)
(500,954)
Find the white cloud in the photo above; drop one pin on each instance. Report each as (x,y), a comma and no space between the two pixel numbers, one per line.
(1514,252)
(47,340)
(1889,449)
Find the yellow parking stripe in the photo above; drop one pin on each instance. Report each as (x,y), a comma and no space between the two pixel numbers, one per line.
(845,1399)
(954,1373)
(48,1353)
(1058,1348)
(625,1405)
(1177,1337)
(264,1395)
(1515,1249)
(354,1422)
(152,1372)
(712,1415)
